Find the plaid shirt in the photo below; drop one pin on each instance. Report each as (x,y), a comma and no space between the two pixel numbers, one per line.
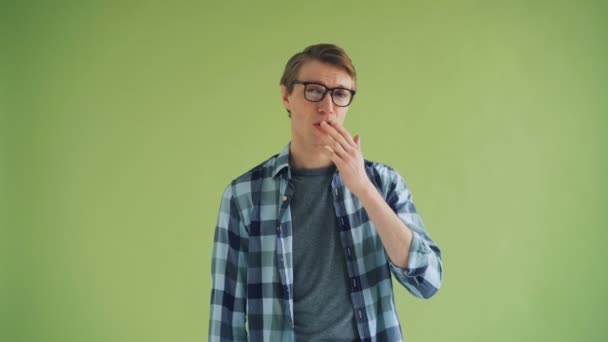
(252,266)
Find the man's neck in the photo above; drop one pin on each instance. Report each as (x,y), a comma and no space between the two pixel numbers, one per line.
(308,157)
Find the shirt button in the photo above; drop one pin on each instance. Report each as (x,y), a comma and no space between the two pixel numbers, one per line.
(284,198)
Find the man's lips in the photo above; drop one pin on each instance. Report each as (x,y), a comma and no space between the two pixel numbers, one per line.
(318,126)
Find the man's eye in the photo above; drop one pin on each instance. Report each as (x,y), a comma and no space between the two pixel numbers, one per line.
(341,93)
(314,90)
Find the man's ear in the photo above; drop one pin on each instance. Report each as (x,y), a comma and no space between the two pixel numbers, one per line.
(285,97)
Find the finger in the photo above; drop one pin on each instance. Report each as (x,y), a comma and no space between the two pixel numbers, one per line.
(338,148)
(358,141)
(329,150)
(333,156)
(336,135)
(347,136)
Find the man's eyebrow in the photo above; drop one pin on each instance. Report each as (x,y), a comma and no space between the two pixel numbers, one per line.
(340,85)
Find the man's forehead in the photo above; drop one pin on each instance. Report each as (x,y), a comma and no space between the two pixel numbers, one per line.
(324,72)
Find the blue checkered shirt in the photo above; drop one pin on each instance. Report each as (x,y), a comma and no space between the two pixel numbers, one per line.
(252,266)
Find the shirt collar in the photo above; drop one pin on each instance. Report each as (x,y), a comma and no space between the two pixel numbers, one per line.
(282,162)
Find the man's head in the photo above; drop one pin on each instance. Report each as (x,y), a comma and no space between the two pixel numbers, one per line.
(318,85)
(329,54)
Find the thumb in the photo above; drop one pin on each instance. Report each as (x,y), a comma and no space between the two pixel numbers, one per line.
(358,140)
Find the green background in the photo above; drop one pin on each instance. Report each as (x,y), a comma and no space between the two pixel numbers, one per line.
(122,123)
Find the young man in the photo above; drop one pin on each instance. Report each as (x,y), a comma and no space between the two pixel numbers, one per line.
(306,242)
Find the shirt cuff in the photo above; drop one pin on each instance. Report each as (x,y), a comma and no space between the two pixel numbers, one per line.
(416,258)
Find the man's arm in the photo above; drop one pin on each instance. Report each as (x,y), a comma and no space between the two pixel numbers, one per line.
(414,258)
(396,221)
(396,236)
(229,273)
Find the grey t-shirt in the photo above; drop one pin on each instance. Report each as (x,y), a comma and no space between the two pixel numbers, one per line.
(322,304)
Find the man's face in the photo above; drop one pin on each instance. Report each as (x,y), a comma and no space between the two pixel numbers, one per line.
(306,116)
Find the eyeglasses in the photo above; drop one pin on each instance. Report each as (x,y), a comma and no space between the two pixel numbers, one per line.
(315,92)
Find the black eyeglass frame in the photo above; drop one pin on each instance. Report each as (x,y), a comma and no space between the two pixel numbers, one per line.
(327,90)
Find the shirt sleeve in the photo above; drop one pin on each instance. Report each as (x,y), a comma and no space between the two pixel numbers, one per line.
(229,273)
(423,274)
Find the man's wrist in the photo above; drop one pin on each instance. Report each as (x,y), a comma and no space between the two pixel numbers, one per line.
(368,192)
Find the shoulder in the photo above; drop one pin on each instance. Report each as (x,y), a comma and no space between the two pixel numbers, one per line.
(386,179)
(263,170)
(380,172)
(246,184)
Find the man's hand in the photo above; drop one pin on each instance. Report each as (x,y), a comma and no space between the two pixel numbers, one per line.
(345,152)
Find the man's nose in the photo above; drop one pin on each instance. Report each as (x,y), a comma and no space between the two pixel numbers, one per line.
(326,105)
